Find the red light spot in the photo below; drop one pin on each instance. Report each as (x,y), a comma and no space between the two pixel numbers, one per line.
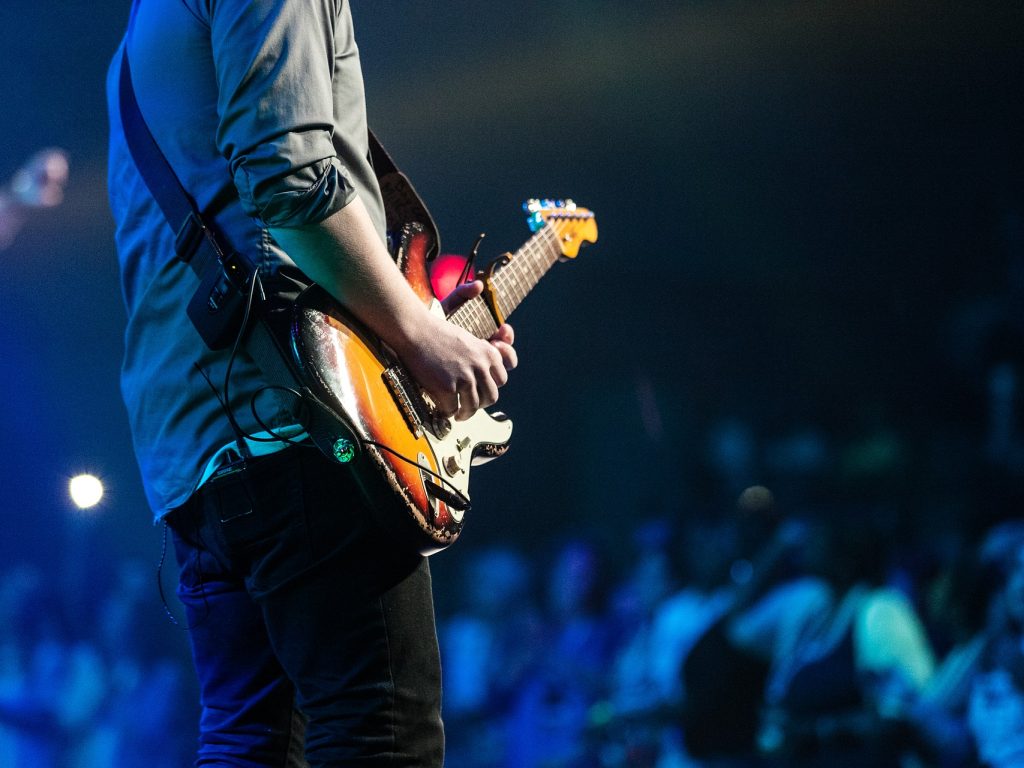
(445,272)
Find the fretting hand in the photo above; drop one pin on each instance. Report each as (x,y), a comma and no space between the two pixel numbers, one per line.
(502,339)
(460,372)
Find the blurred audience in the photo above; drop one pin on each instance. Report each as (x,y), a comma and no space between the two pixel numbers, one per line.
(870,613)
(995,707)
(751,638)
(87,695)
(550,713)
(837,692)
(487,650)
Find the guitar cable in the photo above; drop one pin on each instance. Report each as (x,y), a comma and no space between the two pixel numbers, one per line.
(185,627)
(240,435)
(460,497)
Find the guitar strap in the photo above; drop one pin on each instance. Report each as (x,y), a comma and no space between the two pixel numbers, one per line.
(198,244)
(218,308)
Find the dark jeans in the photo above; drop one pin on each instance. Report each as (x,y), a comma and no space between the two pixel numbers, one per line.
(295,598)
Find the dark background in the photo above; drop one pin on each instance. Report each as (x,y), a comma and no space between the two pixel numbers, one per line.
(798,202)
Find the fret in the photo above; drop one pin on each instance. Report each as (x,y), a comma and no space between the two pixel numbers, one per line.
(517,278)
(475,317)
(484,326)
(512,283)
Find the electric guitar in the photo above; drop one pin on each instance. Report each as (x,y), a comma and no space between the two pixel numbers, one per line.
(412,462)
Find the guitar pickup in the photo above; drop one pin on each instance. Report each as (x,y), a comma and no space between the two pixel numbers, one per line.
(395,381)
(417,411)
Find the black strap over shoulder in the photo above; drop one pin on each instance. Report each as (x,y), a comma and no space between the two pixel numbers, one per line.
(191,243)
(218,306)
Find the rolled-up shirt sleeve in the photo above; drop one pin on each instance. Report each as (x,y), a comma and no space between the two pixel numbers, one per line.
(274,62)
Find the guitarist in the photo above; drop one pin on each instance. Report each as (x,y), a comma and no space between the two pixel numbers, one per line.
(302,615)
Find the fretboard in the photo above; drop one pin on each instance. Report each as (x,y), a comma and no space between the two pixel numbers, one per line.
(511,283)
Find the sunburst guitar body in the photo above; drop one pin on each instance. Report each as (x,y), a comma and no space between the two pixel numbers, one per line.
(412,463)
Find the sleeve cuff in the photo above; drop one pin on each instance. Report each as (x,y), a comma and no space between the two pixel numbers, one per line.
(306,196)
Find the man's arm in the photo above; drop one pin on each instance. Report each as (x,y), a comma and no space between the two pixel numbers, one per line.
(277,130)
(345,256)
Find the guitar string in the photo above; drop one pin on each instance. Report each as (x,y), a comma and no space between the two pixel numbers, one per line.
(507,282)
(534,249)
(526,268)
(513,282)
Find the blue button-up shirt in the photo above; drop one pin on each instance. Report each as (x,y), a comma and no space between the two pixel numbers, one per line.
(258,106)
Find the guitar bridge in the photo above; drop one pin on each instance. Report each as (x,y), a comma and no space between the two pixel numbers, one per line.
(417,411)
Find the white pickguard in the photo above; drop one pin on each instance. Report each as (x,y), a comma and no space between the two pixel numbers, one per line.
(454,452)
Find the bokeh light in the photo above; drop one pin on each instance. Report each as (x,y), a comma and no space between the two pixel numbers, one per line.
(86,490)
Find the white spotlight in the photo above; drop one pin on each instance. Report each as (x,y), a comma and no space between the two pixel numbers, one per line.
(86,491)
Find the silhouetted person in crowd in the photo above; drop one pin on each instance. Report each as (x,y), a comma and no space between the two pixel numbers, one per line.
(838,690)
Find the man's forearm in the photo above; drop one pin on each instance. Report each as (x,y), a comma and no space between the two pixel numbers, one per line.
(345,256)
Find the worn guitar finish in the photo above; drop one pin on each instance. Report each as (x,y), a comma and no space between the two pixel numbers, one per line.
(412,462)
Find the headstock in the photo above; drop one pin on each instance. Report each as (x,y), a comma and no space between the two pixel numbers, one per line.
(573,225)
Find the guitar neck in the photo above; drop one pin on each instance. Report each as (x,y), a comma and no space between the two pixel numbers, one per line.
(511,283)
